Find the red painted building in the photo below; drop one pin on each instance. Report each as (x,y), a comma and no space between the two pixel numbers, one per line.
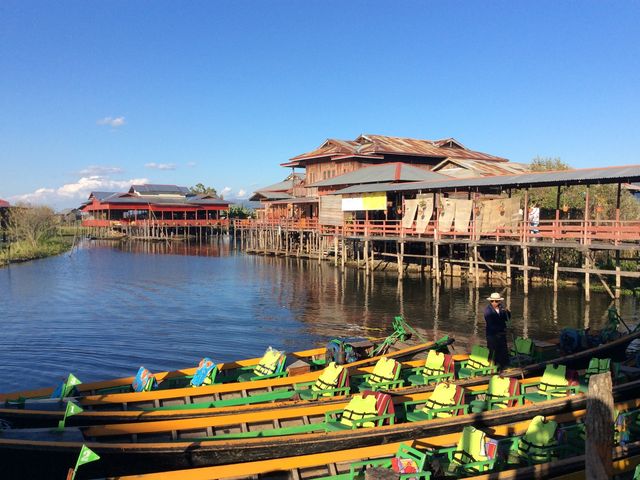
(154,206)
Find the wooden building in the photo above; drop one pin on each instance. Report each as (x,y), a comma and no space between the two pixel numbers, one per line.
(156,211)
(368,159)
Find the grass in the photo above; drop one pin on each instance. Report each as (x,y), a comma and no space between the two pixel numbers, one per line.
(22,251)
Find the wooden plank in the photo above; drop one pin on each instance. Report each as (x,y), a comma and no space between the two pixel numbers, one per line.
(599,271)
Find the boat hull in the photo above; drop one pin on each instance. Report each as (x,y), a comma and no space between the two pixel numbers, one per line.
(46,458)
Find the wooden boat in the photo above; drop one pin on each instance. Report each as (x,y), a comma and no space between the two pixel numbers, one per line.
(202,401)
(43,453)
(368,352)
(337,465)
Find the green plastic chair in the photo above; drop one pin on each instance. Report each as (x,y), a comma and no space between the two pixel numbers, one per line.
(408,463)
(271,365)
(386,374)
(523,351)
(334,380)
(437,367)
(367,410)
(553,384)
(478,363)
(502,392)
(445,401)
(538,444)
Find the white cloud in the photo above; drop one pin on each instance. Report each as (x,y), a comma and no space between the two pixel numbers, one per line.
(241,193)
(92,170)
(225,191)
(114,122)
(71,194)
(191,164)
(160,166)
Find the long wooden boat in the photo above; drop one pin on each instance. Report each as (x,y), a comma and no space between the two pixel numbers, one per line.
(336,465)
(369,351)
(203,401)
(43,453)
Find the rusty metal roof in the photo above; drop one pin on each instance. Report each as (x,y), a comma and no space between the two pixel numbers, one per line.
(583,176)
(376,145)
(388,172)
(267,195)
(466,168)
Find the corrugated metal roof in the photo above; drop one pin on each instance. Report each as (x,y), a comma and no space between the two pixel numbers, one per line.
(388,172)
(192,200)
(296,201)
(100,196)
(465,168)
(375,145)
(287,184)
(627,174)
(263,195)
(4,204)
(151,189)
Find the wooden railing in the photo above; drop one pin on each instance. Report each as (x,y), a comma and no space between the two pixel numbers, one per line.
(156,223)
(554,231)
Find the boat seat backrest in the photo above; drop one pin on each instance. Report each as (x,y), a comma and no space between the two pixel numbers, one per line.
(554,377)
(434,365)
(479,357)
(386,370)
(470,448)
(366,405)
(270,362)
(333,376)
(360,407)
(408,460)
(598,365)
(144,381)
(502,387)
(444,395)
(205,373)
(523,346)
(540,435)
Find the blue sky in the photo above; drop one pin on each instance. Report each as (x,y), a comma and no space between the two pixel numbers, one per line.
(97,94)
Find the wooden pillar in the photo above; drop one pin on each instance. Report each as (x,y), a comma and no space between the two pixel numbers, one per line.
(343,257)
(335,249)
(555,270)
(476,270)
(366,257)
(436,262)
(556,227)
(525,215)
(598,422)
(508,261)
(400,247)
(525,258)
(587,276)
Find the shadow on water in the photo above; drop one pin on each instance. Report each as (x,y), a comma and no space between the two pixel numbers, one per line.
(111,307)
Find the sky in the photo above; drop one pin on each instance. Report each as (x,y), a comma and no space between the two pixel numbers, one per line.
(97,95)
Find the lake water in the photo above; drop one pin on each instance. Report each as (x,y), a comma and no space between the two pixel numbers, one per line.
(108,308)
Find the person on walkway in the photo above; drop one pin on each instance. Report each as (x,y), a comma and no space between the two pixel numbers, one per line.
(496,317)
(534,218)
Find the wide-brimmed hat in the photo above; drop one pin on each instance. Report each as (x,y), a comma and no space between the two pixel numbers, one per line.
(495,296)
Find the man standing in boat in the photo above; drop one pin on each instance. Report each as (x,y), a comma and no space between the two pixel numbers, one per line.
(496,317)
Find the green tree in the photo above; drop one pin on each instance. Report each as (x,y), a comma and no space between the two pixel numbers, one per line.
(240,211)
(32,225)
(602,203)
(201,189)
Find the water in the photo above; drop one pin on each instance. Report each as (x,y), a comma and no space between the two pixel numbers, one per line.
(107,309)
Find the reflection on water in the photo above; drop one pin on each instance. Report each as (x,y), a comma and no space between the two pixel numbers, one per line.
(109,308)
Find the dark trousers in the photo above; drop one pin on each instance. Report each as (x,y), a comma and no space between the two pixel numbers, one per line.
(497,345)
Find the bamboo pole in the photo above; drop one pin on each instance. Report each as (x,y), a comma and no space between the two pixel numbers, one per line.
(587,277)
(508,262)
